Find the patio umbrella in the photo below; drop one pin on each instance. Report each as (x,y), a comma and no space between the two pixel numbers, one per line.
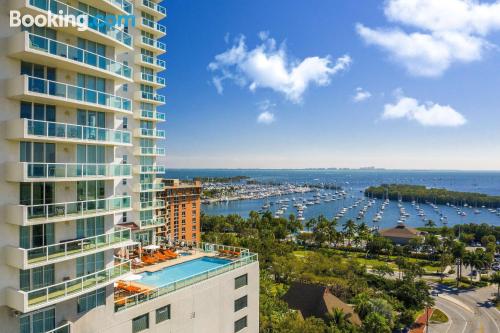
(132,277)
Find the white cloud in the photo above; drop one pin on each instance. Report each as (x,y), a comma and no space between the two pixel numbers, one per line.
(268,66)
(266,117)
(428,114)
(447,31)
(361,95)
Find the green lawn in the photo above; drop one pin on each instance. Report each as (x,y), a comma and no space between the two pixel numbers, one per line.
(438,317)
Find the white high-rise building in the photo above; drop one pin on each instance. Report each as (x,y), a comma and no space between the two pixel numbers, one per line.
(79,182)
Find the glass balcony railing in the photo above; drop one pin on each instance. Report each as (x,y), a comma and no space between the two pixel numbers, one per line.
(153,97)
(78,208)
(71,287)
(153,61)
(152,204)
(125,5)
(78,94)
(152,169)
(154,25)
(77,132)
(153,115)
(152,151)
(154,43)
(66,51)
(65,328)
(45,254)
(122,303)
(152,187)
(154,133)
(153,78)
(154,6)
(95,23)
(72,170)
(155,222)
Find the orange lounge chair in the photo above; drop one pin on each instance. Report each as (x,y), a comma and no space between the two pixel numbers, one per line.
(149,260)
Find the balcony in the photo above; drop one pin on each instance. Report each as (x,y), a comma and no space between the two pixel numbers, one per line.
(149,133)
(30,88)
(149,151)
(153,169)
(97,30)
(149,187)
(150,115)
(38,130)
(148,61)
(62,328)
(151,44)
(50,172)
(148,205)
(153,27)
(149,97)
(25,215)
(153,80)
(152,8)
(67,250)
(44,51)
(243,259)
(113,6)
(26,301)
(152,223)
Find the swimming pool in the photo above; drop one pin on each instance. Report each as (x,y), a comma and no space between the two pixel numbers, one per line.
(181,271)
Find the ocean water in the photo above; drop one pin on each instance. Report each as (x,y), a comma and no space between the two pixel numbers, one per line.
(355,181)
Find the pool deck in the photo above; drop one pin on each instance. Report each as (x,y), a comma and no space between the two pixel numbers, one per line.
(180,259)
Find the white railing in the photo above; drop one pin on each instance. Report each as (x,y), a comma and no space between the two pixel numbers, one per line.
(153,78)
(152,187)
(125,5)
(77,208)
(64,289)
(45,254)
(152,151)
(154,25)
(154,6)
(64,328)
(154,222)
(78,132)
(153,115)
(155,133)
(151,169)
(153,61)
(70,52)
(75,170)
(154,43)
(71,92)
(152,204)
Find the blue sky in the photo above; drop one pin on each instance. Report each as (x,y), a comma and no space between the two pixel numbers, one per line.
(433,84)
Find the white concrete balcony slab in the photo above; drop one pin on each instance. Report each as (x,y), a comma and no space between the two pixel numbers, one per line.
(25,215)
(151,44)
(65,172)
(149,151)
(149,115)
(97,29)
(151,169)
(155,81)
(148,205)
(153,98)
(149,133)
(152,223)
(119,7)
(33,89)
(26,301)
(67,250)
(148,187)
(152,8)
(39,130)
(151,62)
(45,51)
(155,28)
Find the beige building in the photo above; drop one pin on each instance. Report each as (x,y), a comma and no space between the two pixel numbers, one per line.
(79,143)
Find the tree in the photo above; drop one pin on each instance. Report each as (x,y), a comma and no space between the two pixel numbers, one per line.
(430,224)
(458,251)
(383,270)
(376,323)
(495,278)
(349,230)
(401,263)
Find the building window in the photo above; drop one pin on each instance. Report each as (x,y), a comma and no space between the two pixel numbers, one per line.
(163,314)
(125,87)
(240,303)
(124,217)
(124,182)
(91,300)
(140,323)
(240,281)
(125,123)
(240,324)
(41,321)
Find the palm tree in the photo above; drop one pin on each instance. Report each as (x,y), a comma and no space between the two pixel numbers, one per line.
(430,224)
(337,317)
(458,252)
(349,230)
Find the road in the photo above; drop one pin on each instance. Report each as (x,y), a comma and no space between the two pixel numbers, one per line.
(468,311)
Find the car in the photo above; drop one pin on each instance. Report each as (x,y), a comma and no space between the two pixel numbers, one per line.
(434,292)
(474,273)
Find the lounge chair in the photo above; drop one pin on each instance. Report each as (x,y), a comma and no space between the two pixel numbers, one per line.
(149,260)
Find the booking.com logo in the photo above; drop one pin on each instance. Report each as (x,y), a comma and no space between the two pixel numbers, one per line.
(82,21)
